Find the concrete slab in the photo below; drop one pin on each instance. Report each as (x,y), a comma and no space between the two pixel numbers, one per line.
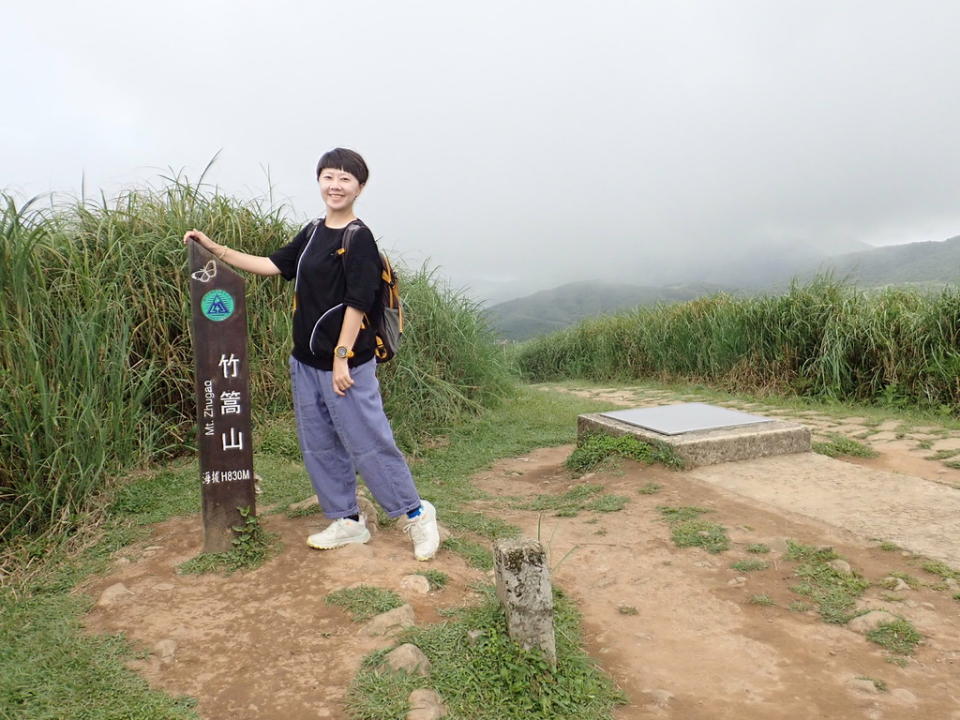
(708,447)
(680,418)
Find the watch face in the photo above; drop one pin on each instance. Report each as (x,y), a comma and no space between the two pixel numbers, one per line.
(341,352)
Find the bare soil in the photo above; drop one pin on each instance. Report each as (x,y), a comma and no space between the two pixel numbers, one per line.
(264,644)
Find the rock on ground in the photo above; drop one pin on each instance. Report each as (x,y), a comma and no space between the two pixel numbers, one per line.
(114,594)
(415,583)
(873,619)
(425,705)
(390,622)
(409,659)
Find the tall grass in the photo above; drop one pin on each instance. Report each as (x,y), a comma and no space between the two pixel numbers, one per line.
(826,338)
(96,368)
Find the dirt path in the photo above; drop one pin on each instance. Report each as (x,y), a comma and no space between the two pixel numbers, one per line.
(264,645)
(697,648)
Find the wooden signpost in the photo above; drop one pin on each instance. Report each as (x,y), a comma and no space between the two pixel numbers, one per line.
(219,321)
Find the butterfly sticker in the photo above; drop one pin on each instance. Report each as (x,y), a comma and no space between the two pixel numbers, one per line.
(208,273)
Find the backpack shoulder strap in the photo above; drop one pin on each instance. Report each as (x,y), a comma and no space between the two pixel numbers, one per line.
(348,233)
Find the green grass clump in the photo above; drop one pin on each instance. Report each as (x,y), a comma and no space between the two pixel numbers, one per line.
(936,567)
(580,497)
(491,678)
(888,546)
(897,636)
(749,565)
(594,449)
(799,606)
(687,529)
(762,600)
(843,446)
(475,554)
(758,548)
(364,601)
(835,593)
(251,548)
(628,610)
(650,488)
(436,578)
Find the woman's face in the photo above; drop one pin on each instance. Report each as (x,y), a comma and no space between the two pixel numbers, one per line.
(338,188)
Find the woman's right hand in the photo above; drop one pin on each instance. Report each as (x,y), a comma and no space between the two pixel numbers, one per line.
(200,238)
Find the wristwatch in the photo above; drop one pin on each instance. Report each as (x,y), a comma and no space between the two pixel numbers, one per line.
(342,351)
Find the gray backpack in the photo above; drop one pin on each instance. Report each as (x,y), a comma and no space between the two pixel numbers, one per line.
(389,331)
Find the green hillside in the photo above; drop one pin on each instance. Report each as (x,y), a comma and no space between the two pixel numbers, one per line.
(560,307)
(921,262)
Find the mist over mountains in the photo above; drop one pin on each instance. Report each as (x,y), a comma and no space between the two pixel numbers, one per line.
(928,264)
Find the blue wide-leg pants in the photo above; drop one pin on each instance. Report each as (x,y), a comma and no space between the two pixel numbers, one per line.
(340,436)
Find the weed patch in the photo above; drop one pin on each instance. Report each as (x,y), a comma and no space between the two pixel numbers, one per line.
(687,529)
(650,488)
(475,554)
(842,446)
(436,578)
(592,450)
(762,600)
(834,593)
(758,548)
(936,567)
(750,565)
(364,601)
(581,497)
(898,636)
(252,545)
(491,677)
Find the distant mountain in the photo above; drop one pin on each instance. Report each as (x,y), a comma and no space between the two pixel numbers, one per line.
(920,262)
(925,263)
(560,307)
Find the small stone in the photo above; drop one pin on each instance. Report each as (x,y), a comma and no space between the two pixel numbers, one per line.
(390,622)
(369,512)
(409,659)
(951,583)
(897,584)
(164,587)
(737,581)
(415,583)
(474,635)
(114,594)
(153,548)
(165,650)
(928,606)
(865,623)
(841,566)
(425,705)
(122,561)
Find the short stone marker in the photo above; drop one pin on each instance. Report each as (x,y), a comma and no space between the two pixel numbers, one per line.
(701,434)
(524,590)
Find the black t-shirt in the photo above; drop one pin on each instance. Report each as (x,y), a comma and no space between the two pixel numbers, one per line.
(327,282)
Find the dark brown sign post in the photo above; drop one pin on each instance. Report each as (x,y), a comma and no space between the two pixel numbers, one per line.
(219,321)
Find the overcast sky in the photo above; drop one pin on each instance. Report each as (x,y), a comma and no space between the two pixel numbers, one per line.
(516,145)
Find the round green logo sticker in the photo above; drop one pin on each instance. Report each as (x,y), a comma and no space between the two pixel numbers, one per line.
(217,305)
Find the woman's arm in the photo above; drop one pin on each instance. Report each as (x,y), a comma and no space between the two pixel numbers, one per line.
(348,336)
(256,264)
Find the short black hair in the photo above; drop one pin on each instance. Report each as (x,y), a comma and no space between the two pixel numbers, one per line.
(343,159)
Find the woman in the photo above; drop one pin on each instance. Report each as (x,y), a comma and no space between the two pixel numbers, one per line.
(336,396)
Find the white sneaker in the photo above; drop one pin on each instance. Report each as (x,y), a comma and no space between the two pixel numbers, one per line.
(423,531)
(340,532)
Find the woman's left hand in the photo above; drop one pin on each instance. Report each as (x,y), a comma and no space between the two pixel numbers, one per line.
(341,377)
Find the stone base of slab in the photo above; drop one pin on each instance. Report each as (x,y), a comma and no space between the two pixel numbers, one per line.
(708,447)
